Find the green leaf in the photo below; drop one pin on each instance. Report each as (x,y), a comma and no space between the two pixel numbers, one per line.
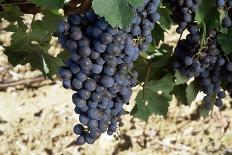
(225,40)
(141,70)
(154,98)
(38,33)
(50,21)
(180,93)
(64,55)
(165,20)
(52,63)
(180,78)
(141,110)
(22,51)
(161,63)
(192,91)
(13,14)
(51,4)
(34,55)
(158,34)
(208,14)
(166,84)
(135,3)
(149,103)
(117,12)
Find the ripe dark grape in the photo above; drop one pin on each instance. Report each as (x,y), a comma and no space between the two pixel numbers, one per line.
(101,58)
(78,129)
(183,12)
(209,66)
(143,22)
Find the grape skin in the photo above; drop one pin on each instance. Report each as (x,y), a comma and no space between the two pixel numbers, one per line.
(209,69)
(100,58)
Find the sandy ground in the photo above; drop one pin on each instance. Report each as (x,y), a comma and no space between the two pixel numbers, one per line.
(40,121)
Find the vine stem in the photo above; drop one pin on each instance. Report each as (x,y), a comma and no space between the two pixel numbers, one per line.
(147,77)
(33,19)
(148,72)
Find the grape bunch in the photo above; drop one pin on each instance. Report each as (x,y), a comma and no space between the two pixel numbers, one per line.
(143,23)
(183,12)
(99,70)
(205,64)
(227,5)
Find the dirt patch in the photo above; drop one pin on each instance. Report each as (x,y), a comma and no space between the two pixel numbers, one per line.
(40,121)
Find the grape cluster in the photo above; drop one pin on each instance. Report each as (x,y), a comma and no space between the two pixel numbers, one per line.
(143,23)
(227,5)
(183,12)
(207,65)
(99,70)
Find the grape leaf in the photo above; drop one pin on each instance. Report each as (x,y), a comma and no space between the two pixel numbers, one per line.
(166,84)
(150,103)
(208,14)
(225,41)
(180,93)
(50,20)
(158,34)
(192,91)
(23,50)
(51,4)
(64,55)
(141,110)
(154,98)
(141,70)
(180,79)
(117,12)
(135,3)
(165,20)
(34,55)
(13,14)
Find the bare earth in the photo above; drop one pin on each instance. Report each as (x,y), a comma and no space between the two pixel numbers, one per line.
(40,121)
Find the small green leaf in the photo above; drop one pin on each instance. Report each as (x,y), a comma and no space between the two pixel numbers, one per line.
(51,4)
(141,110)
(158,34)
(141,70)
(154,98)
(52,63)
(117,12)
(192,91)
(225,40)
(165,20)
(13,14)
(150,103)
(180,78)
(180,93)
(135,3)
(64,55)
(50,21)
(208,14)
(166,84)
(22,51)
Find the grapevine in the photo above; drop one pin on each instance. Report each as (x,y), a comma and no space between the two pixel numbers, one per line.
(110,47)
